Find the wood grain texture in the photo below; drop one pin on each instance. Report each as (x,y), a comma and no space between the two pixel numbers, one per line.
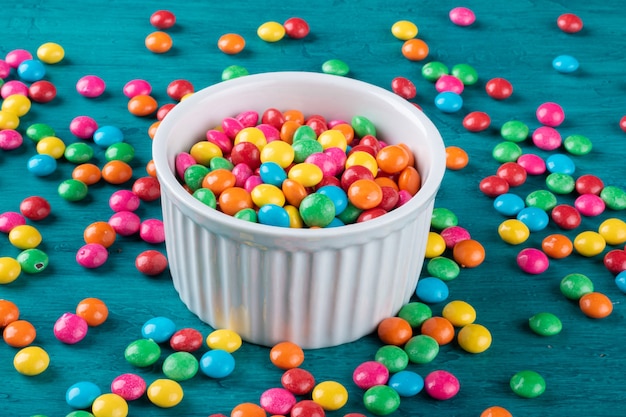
(583,366)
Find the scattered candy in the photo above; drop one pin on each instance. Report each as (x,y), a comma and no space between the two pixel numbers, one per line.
(474,338)
(70,328)
(569,23)
(217,363)
(565,64)
(595,305)
(532,261)
(441,385)
(277,401)
(462,16)
(158,42)
(162,19)
(31,361)
(128,386)
(499,88)
(296,28)
(404,30)
(90,86)
(527,384)
(406,383)
(545,324)
(330,395)
(109,404)
(381,400)
(82,394)
(298,381)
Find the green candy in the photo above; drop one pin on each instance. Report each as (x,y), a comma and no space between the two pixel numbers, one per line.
(514,131)
(33,260)
(219,162)
(393,357)
(442,218)
(305,147)
(120,151)
(233,71)
(466,73)
(194,175)
(247,214)
(542,199)
(560,183)
(421,349)
(317,210)
(528,384)
(614,197)
(78,153)
(432,71)
(79,413)
(38,131)
(381,400)
(506,152)
(180,366)
(443,268)
(335,67)
(206,196)
(574,286)
(545,324)
(577,145)
(363,126)
(350,214)
(304,132)
(142,353)
(415,313)
(73,190)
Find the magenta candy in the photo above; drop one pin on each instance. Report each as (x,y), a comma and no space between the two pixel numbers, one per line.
(338,156)
(369,374)
(277,401)
(324,162)
(136,88)
(270,132)
(241,172)
(182,162)
(231,126)
(550,114)
(70,328)
(5,69)
(220,139)
(441,385)
(533,164)
(403,197)
(251,182)
(462,16)
(92,255)
(449,83)
(125,223)
(13,87)
(128,386)
(248,118)
(10,219)
(90,86)
(532,261)
(152,231)
(15,57)
(453,235)
(546,138)
(83,127)
(333,123)
(10,139)
(589,205)
(124,200)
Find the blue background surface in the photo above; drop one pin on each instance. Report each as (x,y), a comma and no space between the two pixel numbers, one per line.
(583,366)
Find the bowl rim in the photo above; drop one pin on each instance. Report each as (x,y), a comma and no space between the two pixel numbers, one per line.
(168,180)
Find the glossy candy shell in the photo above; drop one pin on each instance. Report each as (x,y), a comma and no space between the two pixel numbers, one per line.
(273,284)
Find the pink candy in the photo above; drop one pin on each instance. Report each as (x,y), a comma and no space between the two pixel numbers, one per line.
(5,69)
(546,138)
(124,200)
(137,87)
(220,139)
(92,255)
(231,126)
(15,57)
(70,328)
(533,164)
(453,235)
(270,132)
(589,205)
(325,162)
(449,83)
(182,162)
(248,118)
(128,386)
(241,172)
(83,127)
(532,261)
(152,231)
(369,374)
(277,401)
(13,87)
(462,16)
(10,139)
(10,219)
(125,223)
(550,114)
(90,86)
(441,385)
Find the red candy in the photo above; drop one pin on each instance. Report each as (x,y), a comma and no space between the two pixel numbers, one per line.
(566,216)
(589,184)
(622,123)
(493,186)
(513,173)
(615,261)
(177,89)
(476,121)
(403,87)
(151,262)
(147,188)
(569,23)
(298,381)
(499,88)
(162,19)
(186,340)
(296,28)
(164,110)
(42,91)
(35,208)
(307,408)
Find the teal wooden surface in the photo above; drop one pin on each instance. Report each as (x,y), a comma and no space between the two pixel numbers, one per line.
(583,366)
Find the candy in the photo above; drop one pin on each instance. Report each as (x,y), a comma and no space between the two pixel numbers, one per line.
(99,232)
(557,246)
(574,286)
(613,231)
(534,218)
(462,16)
(70,328)
(152,231)
(532,261)
(560,163)
(448,102)
(439,328)
(577,144)
(186,340)
(286,355)
(381,400)
(277,401)
(406,383)
(527,384)
(560,183)
(158,42)
(217,363)
(513,173)
(469,253)
(271,31)
(296,28)
(142,352)
(415,313)
(456,158)
(392,357)
(614,197)
(466,73)
(147,188)
(42,91)
(41,165)
(566,216)
(231,43)
(25,237)
(589,243)
(82,394)
(10,270)
(449,83)
(394,331)
(459,313)
(620,281)
(31,70)
(533,164)
(32,261)
(330,395)
(93,310)
(542,199)
(422,349)
(304,408)
(403,87)
(90,86)
(177,89)
(35,208)
(545,324)
(569,23)
(595,305)
(441,385)
(109,404)
(550,114)
(565,64)
(415,49)
(10,139)
(224,339)
(19,333)
(443,268)
(499,88)
(433,70)
(493,186)
(17,104)
(589,205)
(150,262)
(16,56)
(474,338)
(476,121)
(180,366)
(78,153)
(508,204)
(431,290)
(298,381)
(162,19)
(546,138)
(128,386)
(160,329)
(31,361)
(513,231)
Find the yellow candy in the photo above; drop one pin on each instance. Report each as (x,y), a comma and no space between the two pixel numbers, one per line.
(333,139)
(253,135)
(25,236)
(8,120)
(17,104)
(165,393)
(459,313)
(50,53)
(330,395)
(513,231)
(109,405)
(404,30)
(295,220)
(278,152)
(435,245)
(10,269)
(204,151)
(589,243)
(31,360)
(306,174)
(613,231)
(271,31)
(52,146)
(363,159)
(474,338)
(224,339)
(264,194)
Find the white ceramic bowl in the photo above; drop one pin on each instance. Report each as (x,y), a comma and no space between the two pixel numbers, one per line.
(314,287)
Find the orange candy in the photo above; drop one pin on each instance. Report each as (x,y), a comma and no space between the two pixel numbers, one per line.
(234,199)
(386,182)
(394,331)
(456,158)
(294,115)
(468,253)
(294,192)
(346,129)
(93,311)
(231,43)
(439,328)
(286,355)
(415,49)
(410,152)
(100,232)
(219,180)
(151,168)
(365,194)
(153,129)
(117,172)
(392,159)
(158,42)
(248,410)
(288,129)
(142,105)
(595,305)
(88,173)
(410,180)
(9,312)
(19,333)
(557,246)
(496,411)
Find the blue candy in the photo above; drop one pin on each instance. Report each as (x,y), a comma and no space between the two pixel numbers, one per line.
(41,165)
(508,204)
(565,64)
(106,136)
(534,218)
(273,215)
(272,173)
(560,163)
(159,329)
(337,195)
(448,102)
(82,394)
(31,70)
(431,290)
(620,281)
(406,383)
(217,363)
